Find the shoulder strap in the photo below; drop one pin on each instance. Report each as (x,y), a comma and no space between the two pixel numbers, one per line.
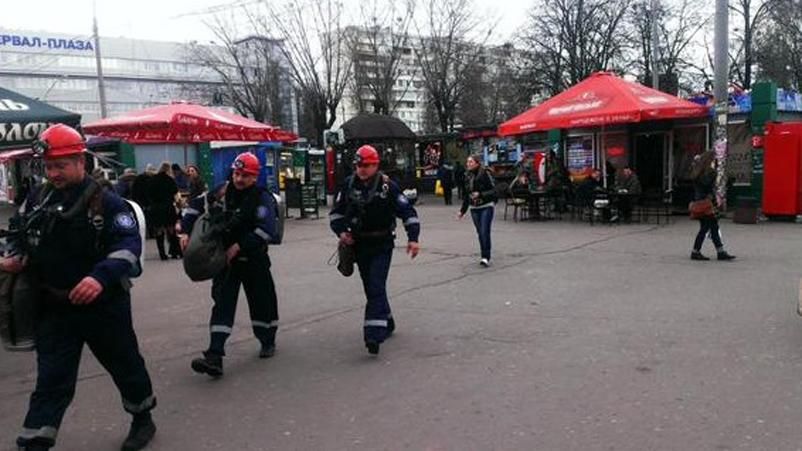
(83,202)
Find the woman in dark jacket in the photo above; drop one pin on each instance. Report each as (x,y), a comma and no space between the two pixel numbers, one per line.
(196,184)
(480,198)
(703,174)
(162,190)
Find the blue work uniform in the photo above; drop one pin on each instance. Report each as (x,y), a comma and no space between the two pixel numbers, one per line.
(369,210)
(251,215)
(101,240)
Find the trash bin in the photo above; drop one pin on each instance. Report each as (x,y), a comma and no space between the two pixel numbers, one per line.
(746,210)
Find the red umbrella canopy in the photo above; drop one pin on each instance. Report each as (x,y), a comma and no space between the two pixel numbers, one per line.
(602,99)
(185,122)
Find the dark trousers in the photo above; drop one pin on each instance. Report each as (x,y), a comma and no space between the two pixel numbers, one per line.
(254,276)
(483,221)
(626,204)
(107,329)
(374,267)
(448,194)
(708,225)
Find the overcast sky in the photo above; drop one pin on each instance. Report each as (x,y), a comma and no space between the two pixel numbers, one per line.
(163,20)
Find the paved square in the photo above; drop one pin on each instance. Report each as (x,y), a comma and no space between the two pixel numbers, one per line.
(578,338)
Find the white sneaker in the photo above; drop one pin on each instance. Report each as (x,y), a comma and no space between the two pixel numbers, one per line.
(484,263)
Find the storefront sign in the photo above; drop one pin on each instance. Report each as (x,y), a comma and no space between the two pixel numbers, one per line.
(579,152)
(14,40)
(789,101)
(615,146)
(15,132)
(3,183)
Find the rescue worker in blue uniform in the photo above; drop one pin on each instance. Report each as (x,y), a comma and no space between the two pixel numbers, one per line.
(251,219)
(82,250)
(364,216)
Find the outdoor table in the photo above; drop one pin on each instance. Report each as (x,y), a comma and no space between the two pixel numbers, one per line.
(619,197)
(534,198)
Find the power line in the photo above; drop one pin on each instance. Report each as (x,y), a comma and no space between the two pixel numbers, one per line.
(216,9)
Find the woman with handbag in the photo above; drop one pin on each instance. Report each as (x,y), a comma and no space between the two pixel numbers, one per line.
(480,198)
(703,207)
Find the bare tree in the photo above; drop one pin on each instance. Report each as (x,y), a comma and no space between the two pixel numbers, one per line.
(451,40)
(378,46)
(779,44)
(250,68)
(515,83)
(316,48)
(577,37)
(679,26)
(473,107)
(751,14)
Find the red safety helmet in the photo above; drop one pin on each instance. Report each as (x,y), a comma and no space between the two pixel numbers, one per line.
(59,141)
(247,163)
(366,155)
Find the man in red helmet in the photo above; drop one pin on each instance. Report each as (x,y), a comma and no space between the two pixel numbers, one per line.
(82,244)
(249,213)
(364,216)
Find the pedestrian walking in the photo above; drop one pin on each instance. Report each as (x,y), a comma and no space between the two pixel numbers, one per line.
(459,179)
(364,219)
(162,191)
(445,173)
(479,198)
(125,184)
(703,174)
(82,251)
(181,178)
(250,219)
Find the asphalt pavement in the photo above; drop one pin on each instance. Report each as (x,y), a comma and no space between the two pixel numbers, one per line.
(578,337)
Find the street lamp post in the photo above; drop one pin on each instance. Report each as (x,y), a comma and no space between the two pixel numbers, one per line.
(722,97)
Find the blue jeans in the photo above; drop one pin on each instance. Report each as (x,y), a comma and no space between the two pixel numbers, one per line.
(483,220)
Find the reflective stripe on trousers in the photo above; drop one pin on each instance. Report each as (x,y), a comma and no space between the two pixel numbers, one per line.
(221,329)
(264,325)
(46,432)
(147,404)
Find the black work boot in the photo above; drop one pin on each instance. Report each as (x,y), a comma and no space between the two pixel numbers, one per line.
(142,431)
(211,364)
(373,347)
(698,256)
(724,256)
(390,326)
(268,350)
(34,446)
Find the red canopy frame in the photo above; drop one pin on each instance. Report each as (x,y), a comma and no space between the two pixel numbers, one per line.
(601,100)
(185,123)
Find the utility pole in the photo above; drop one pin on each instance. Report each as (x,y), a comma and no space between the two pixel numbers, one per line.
(655,47)
(101,86)
(722,97)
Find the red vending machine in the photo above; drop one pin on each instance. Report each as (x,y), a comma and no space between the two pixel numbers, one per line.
(782,177)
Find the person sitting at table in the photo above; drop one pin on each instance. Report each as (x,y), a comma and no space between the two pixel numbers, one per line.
(628,188)
(519,188)
(557,181)
(587,189)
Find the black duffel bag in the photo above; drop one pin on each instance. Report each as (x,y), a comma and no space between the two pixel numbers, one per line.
(19,301)
(205,255)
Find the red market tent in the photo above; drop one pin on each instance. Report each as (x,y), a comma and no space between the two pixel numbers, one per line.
(600,100)
(185,123)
